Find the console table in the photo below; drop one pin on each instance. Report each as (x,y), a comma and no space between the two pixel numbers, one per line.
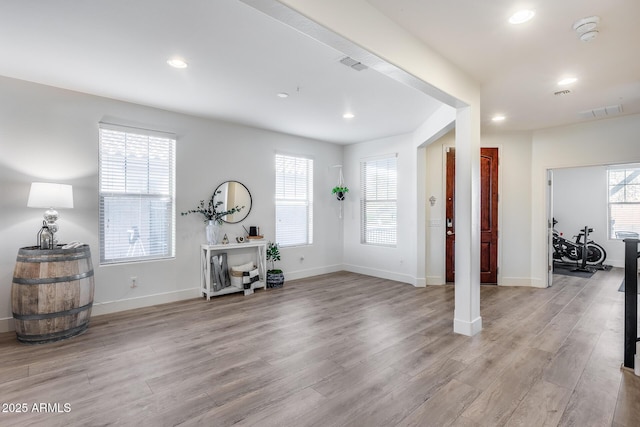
(237,253)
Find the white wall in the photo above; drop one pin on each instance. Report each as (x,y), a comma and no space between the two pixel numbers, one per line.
(399,263)
(435,186)
(514,207)
(580,199)
(51,134)
(601,142)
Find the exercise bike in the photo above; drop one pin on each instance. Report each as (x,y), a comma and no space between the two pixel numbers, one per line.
(579,253)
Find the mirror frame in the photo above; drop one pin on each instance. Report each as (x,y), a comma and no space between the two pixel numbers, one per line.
(215,193)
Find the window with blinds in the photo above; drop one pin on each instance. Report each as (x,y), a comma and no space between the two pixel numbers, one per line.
(378,202)
(624,201)
(137,194)
(294,200)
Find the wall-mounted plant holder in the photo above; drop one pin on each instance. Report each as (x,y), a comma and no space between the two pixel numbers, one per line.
(340,190)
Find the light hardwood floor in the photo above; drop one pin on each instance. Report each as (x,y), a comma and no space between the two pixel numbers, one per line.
(339,349)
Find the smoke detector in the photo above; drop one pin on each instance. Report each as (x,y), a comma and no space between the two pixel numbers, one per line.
(587,28)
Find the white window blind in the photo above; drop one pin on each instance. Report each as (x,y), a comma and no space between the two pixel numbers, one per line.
(137,194)
(624,201)
(378,203)
(294,200)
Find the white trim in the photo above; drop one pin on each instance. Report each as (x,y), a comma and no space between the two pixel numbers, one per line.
(435,280)
(302,274)
(107,307)
(500,253)
(293,154)
(467,328)
(137,130)
(144,301)
(516,281)
(383,274)
(539,283)
(7,324)
(378,157)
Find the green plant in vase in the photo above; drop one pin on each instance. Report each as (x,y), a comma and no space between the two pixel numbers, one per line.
(275,276)
(340,191)
(210,211)
(212,216)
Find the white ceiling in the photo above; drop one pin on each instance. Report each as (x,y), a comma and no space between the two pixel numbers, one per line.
(240,58)
(519,66)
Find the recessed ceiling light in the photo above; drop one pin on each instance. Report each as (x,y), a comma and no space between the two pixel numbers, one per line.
(348,115)
(567,81)
(498,118)
(521,16)
(177,63)
(283,95)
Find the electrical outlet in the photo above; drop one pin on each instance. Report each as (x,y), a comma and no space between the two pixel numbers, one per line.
(134,282)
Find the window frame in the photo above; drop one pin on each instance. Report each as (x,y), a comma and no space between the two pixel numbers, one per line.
(160,230)
(389,186)
(293,201)
(634,168)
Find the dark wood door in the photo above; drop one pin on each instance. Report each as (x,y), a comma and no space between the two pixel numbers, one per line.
(450,211)
(488,215)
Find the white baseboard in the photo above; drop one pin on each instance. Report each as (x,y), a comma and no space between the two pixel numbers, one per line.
(420,282)
(469,329)
(435,280)
(538,283)
(7,324)
(383,274)
(515,281)
(301,274)
(107,307)
(614,262)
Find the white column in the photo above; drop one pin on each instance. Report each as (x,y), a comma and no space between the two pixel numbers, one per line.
(467,320)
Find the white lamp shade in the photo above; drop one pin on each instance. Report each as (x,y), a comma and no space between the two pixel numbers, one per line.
(49,195)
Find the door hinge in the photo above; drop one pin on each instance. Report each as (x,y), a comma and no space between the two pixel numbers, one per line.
(549,182)
(548,268)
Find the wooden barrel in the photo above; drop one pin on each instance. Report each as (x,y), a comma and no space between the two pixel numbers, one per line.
(52,293)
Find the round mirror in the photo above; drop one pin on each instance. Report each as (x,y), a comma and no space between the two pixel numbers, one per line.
(231,194)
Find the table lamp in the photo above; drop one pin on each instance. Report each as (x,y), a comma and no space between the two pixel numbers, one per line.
(50,196)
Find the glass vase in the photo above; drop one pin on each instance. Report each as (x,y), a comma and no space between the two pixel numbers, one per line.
(212,231)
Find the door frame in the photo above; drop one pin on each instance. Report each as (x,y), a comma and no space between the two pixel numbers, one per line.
(443,212)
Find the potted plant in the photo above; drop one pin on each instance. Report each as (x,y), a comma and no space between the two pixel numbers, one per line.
(275,277)
(212,216)
(340,191)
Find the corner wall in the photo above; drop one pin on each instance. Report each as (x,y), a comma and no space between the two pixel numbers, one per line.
(51,134)
(601,142)
(514,207)
(398,263)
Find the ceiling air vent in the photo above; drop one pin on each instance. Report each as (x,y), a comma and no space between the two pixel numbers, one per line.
(352,63)
(601,112)
(562,92)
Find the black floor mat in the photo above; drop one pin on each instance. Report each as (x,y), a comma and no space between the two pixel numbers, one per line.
(572,272)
